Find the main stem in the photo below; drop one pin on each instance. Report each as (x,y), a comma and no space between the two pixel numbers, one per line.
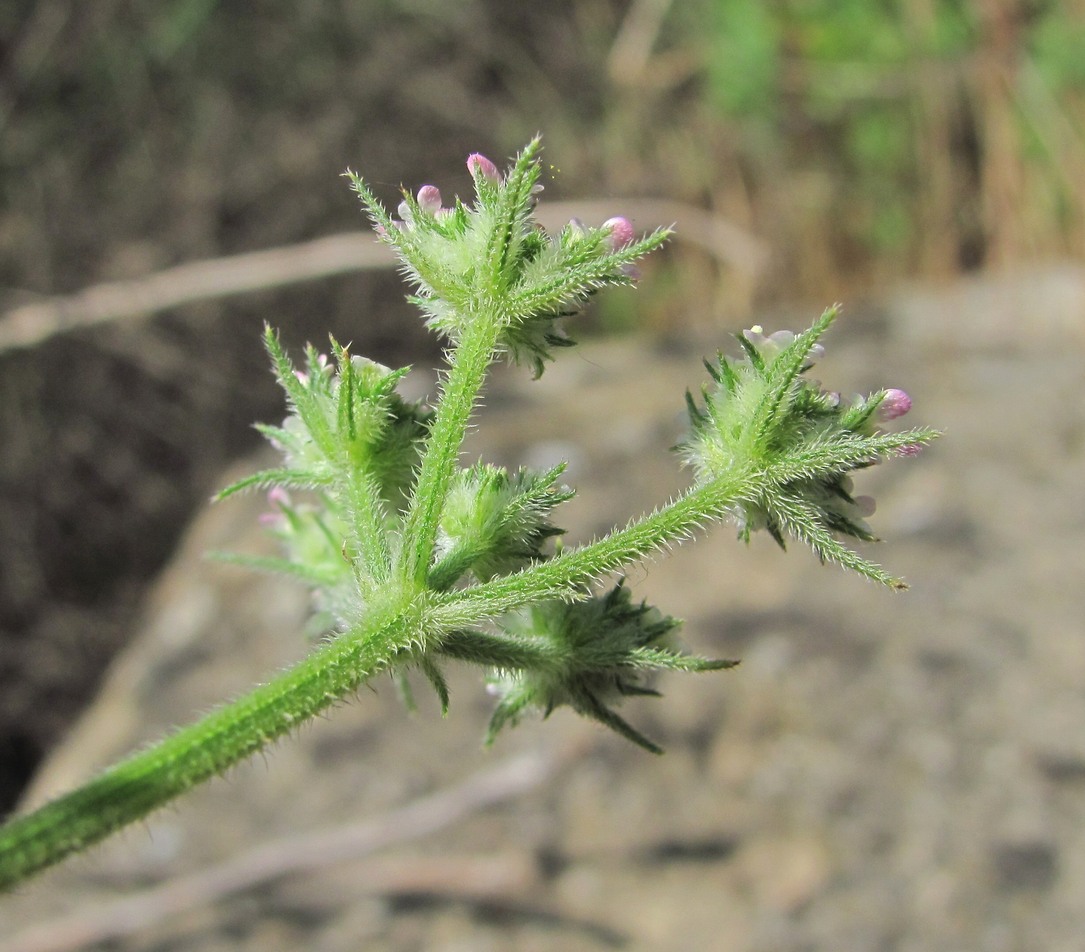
(467,371)
(151,778)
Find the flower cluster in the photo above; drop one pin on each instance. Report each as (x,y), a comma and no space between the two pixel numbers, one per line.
(351,443)
(762,414)
(465,258)
(587,654)
(495,524)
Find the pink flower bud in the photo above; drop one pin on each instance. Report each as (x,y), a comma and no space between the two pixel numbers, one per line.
(895,404)
(481,167)
(429,199)
(621,232)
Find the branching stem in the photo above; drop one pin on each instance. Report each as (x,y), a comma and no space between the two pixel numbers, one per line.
(768,448)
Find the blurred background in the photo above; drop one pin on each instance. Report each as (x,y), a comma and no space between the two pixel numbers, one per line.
(812,150)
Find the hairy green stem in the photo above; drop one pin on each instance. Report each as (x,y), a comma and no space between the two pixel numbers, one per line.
(467,371)
(151,778)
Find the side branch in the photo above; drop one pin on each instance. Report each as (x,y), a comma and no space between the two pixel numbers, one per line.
(577,568)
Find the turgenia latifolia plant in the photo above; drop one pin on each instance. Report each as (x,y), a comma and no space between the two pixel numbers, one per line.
(416,561)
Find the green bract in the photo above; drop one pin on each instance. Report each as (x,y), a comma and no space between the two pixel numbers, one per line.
(495,524)
(588,654)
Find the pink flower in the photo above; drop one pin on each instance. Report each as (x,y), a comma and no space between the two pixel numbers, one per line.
(481,167)
(621,232)
(894,404)
(429,199)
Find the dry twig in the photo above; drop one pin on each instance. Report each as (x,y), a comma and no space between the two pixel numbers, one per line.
(31,324)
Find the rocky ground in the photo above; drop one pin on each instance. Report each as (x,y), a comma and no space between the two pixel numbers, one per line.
(882,772)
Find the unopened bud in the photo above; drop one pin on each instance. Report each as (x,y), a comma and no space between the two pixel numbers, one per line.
(429,199)
(481,167)
(894,404)
(621,232)
(278,497)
